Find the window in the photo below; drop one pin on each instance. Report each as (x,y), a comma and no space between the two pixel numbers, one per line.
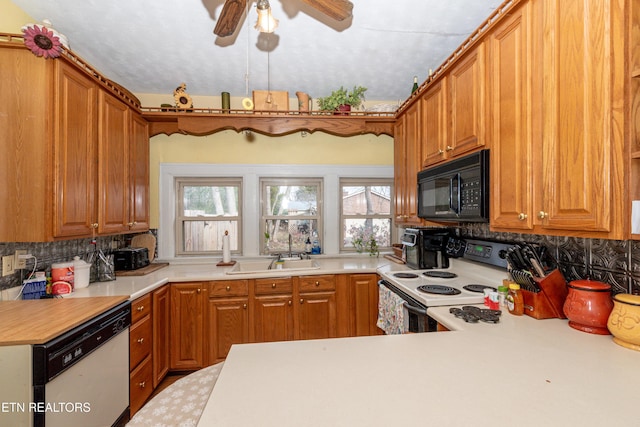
(206,209)
(291,210)
(365,213)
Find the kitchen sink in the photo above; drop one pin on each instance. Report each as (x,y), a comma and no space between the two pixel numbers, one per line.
(270,266)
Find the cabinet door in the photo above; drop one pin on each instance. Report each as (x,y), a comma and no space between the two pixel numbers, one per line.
(408,162)
(317,315)
(273,318)
(582,143)
(228,325)
(161,312)
(363,289)
(187,325)
(510,87)
(113,166)
(399,175)
(139,174)
(434,118)
(467,80)
(75,156)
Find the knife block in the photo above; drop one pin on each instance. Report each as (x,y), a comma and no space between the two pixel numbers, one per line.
(548,302)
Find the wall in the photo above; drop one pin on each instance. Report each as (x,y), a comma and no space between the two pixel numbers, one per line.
(12,17)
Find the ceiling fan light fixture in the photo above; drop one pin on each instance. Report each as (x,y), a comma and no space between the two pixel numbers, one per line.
(266,23)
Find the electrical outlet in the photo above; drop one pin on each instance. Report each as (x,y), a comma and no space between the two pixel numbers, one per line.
(7,265)
(18,263)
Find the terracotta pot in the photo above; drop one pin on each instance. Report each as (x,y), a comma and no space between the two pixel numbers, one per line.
(588,306)
(303,101)
(624,321)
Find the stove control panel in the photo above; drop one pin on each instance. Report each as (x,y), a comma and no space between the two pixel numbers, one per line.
(484,251)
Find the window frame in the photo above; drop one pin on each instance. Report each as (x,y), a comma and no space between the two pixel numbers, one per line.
(356,182)
(179,184)
(265,181)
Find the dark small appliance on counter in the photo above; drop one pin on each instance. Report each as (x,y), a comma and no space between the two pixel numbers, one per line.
(425,247)
(131,258)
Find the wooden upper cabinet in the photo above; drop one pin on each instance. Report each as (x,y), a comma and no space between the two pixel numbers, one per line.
(139,174)
(113,156)
(581,170)
(407,163)
(467,103)
(510,110)
(434,123)
(74,153)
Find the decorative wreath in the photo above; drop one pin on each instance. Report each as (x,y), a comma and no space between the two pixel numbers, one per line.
(182,98)
(42,41)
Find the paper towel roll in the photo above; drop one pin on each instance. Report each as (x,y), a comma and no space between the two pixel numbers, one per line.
(226,248)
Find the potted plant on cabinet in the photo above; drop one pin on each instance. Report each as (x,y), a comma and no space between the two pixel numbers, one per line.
(341,101)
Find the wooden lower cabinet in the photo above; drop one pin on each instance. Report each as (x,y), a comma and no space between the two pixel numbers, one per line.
(363,305)
(228,317)
(187,342)
(273,318)
(161,312)
(140,353)
(317,308)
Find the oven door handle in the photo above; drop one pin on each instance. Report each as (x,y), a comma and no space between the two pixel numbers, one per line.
(413,309)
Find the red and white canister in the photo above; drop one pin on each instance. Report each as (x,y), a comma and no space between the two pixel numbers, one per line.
(62,278)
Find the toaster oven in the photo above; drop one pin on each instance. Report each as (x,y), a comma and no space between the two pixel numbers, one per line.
(130,258)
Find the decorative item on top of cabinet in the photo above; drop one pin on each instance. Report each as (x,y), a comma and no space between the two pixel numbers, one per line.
(187,325)
(140,353)
(228,317)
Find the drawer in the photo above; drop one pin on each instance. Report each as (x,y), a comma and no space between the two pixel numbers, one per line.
(277,285)
(229,288)
(140,385)
(325,282)
(140,308)
(140,336)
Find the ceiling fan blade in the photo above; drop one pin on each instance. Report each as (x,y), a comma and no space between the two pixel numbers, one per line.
(336,9)
(230,17)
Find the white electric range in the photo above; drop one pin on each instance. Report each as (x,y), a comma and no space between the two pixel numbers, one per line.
(482,265)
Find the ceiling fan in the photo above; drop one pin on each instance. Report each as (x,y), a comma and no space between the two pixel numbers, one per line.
(233,9)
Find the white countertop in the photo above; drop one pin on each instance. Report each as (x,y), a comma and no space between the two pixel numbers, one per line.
(520,372)
(137,286)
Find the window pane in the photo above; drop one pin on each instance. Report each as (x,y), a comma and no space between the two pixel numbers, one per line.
(210,200)
(279,231)
(366,200)
(203,236)
(359,231)
(291,200)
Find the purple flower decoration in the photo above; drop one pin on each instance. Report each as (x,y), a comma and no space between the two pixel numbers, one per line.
(42,41)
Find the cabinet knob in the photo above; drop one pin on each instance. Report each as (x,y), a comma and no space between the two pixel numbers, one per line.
(244,306)
(301,301)
(94,225)
(440,151)
(140,340)
(140,308)
(142,384)
(273,285)
(198,290)
(290,302)
(228,288)
(130,224)
(522,216)
(317,283)
(449,148)
(543,215)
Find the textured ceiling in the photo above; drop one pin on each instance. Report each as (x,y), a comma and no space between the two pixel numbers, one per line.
(151,46)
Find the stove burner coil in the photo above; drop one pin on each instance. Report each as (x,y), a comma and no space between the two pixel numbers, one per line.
(473,287)
(472,314)
(402,275)
(438,289)
(440,274)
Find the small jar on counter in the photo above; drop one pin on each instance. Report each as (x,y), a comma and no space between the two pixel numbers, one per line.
(503,291)
(515,302)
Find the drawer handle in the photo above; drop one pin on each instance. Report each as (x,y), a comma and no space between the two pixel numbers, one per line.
(198,290)
(317,283)
(290,302)
(140,340)
(140,308)
(301,301)
(228,288)
(244,305)
(273,285)
(142,384)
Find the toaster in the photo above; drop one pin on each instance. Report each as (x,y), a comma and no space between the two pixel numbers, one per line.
(130,258)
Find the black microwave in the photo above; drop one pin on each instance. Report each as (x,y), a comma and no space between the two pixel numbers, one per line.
(457,190)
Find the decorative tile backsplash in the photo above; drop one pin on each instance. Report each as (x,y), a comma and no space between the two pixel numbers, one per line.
(616,262)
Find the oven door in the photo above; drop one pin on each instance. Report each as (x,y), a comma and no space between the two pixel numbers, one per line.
(418,320)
